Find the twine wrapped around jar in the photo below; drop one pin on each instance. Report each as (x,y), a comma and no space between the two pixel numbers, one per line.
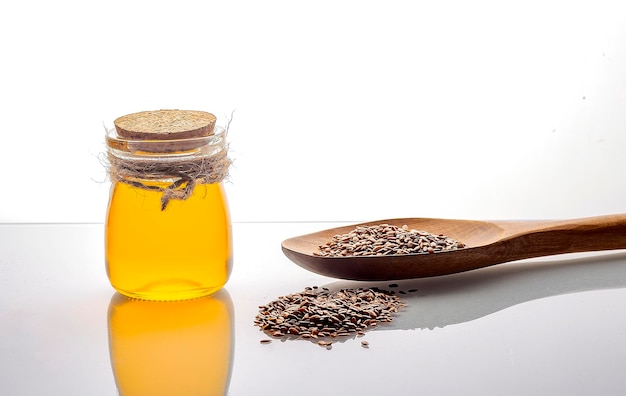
(184,158)
(185,174)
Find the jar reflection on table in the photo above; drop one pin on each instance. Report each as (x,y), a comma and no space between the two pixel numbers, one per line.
(171,348)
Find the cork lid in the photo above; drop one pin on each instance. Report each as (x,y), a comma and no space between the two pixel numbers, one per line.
(165,125)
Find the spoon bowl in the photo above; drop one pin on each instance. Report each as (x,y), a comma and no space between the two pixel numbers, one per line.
(487,243)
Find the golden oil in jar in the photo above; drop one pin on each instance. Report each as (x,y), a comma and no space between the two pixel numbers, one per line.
(182,252)
(167,232)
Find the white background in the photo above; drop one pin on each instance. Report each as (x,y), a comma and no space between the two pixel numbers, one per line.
(343,110)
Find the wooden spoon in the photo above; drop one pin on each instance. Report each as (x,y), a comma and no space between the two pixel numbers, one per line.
(488,243)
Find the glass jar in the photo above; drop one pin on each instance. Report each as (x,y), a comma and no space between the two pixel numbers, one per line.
(167,230)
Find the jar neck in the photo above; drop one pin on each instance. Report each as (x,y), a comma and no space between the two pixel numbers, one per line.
(164,150)
(174,173)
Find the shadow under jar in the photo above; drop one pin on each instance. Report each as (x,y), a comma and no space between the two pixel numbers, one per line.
(168,230)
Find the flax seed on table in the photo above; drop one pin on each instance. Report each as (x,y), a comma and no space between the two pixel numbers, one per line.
(318,313)
(385,239)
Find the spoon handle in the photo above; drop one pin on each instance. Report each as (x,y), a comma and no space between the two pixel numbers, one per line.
(533,239)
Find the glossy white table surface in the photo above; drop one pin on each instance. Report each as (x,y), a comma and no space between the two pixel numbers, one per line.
(553,326)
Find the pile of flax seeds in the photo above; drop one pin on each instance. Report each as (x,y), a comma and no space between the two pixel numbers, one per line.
(323,315)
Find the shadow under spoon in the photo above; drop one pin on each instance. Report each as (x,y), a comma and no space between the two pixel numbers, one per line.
(487,243)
